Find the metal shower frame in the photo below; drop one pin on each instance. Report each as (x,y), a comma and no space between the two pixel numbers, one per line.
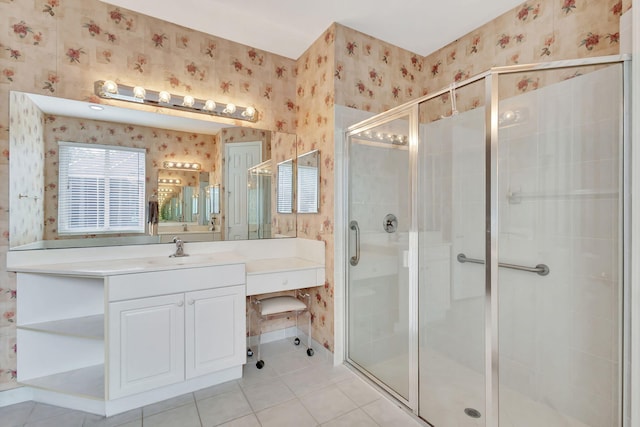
(410,110)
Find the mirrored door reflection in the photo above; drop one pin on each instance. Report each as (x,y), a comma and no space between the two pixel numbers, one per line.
(378,275)
(259,200)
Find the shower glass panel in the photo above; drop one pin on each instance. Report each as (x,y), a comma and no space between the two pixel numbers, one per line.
(378,275)
(559,199)
(451,212)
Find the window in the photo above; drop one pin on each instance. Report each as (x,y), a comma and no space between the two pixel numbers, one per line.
(285,187)
(307,189)
(101,189)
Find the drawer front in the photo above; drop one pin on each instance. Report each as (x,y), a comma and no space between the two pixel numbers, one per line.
(140,285)
(283,281)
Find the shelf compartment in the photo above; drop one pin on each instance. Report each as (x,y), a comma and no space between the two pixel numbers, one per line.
(84,382)
(91,327)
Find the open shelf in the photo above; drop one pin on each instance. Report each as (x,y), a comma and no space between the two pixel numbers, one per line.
(83,382)
(83,327)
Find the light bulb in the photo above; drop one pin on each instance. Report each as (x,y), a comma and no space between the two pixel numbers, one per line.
(179,165)
(230,109)
(195,166)
(188,101)
(139,92)
(164,96)
(110,86)
(249,112)
(209,105)
(186,165)
(169,164)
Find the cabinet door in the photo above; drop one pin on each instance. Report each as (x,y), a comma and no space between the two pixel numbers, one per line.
(215,330)
(146,344)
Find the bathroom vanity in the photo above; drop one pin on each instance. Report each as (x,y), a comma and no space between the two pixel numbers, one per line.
(110,331)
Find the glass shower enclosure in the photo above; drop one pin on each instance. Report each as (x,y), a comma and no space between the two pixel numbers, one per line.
(486,265)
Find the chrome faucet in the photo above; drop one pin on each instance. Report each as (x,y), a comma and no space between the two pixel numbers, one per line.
(179,248)
(184,227)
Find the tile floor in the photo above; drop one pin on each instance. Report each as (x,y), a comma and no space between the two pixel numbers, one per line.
(291,390)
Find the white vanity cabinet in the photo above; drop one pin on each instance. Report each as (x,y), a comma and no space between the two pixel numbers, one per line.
(106,330)
(146,344)
(162,340)
(156,340)
(215,330)
(115,340)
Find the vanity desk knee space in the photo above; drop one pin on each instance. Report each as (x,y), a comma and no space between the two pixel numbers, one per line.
(120,328)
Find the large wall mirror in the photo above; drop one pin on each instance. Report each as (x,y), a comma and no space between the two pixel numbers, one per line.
(198,179)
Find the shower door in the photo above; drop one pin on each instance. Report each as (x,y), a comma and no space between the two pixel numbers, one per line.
(379,280)
(451,212)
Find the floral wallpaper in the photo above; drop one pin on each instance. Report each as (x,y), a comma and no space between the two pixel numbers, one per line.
(27,190)
(160,145)
(314,130)
(60,47)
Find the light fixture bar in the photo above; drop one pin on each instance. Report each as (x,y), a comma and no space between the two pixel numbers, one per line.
(190,166)
(108,89)
(169,181)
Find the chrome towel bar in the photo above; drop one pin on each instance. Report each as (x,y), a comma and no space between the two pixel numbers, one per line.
(541,269)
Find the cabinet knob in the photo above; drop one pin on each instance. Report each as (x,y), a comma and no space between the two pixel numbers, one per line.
(180,303)
(190,301)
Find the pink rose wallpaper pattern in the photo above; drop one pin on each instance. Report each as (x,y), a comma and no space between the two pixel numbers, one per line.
(60,47)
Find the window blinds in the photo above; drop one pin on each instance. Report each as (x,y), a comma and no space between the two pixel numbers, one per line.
(285,187)
(101,189)
(307,189)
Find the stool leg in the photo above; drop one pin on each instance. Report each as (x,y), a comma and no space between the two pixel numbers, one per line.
(309,349)
(296,341)
(260,362)
(249,351)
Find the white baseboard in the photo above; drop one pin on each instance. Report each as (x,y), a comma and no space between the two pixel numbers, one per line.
(15,395)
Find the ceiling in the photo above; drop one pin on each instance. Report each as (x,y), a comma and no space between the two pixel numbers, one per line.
(289,27)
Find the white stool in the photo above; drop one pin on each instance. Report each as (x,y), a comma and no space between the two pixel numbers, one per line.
(273,307)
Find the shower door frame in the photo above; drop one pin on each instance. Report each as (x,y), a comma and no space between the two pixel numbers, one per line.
(411,112)
(491,80)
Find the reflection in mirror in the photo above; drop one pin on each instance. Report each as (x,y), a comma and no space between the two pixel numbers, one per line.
(213,199)
(39,122)
(259,200)
(308,179)
(284,188)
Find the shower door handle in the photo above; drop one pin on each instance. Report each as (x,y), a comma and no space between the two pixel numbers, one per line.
(354,260)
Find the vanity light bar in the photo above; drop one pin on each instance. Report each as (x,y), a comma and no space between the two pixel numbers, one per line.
(169,181)
(193,166)
(108,89)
